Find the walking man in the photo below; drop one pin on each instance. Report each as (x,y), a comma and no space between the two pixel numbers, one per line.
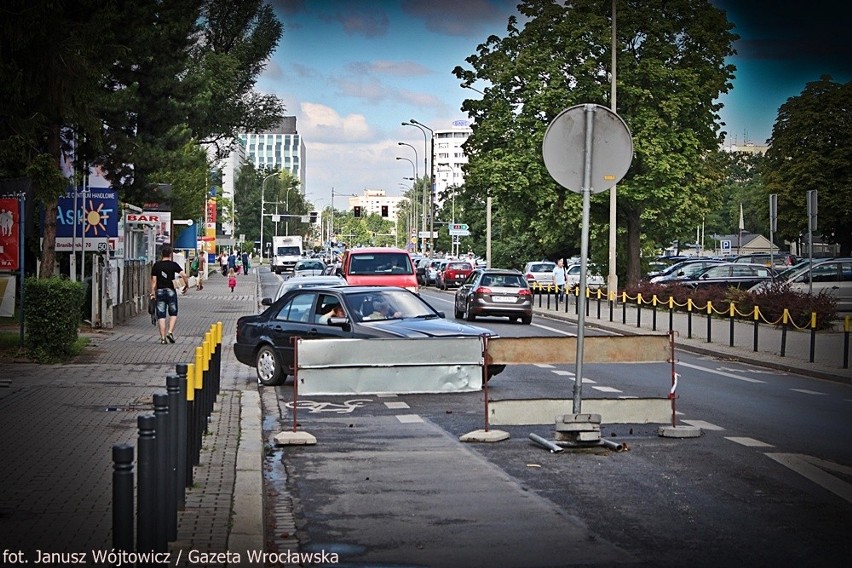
(163,275)
(559,279)
(202,270)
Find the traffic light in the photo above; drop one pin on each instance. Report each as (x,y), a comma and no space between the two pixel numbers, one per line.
(356,211)
(313,215)
(384,210)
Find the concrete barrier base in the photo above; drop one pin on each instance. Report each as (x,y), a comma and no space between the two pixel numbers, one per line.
(679,432)
(294,439)
(484,436)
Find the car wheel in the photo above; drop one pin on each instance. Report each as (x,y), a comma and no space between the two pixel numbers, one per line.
(269,372)
(526,320)
(458,313)
(468,315)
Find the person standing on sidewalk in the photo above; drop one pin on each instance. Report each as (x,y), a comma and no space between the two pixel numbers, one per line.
(560,277)
(202,270)
(232,280)
(163,275)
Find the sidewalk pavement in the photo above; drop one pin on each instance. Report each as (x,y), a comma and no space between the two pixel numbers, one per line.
(58,424)
(829,346)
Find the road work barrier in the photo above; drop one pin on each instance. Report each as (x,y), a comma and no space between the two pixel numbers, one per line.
(562,351)
(381,366)
(169,446)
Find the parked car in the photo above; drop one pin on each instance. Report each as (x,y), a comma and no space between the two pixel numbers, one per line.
(306,282)
(494,292)
(829,276)
(308,267)
(454,273)
(683,270)
(779,261)
(731,275)
(539,272)
(594,279)
(264,341)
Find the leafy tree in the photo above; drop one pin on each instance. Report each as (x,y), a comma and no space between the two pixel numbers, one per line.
(128,86)
(671,70)
(811,149)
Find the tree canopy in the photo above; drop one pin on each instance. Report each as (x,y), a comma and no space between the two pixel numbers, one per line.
(671,70)
(130,87)
(811,149)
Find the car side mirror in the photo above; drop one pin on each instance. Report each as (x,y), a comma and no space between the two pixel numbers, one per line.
(339,321)
(266,302)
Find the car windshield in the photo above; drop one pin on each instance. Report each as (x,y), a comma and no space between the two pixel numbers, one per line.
(380,263)
(387,304)
(292,283)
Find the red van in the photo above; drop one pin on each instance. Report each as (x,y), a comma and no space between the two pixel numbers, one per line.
(379,266)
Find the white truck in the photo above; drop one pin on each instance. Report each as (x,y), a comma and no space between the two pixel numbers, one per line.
(286,251)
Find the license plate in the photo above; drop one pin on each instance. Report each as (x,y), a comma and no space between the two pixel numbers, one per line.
(503,299)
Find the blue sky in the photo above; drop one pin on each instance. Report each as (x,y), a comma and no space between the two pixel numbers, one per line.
(353,71)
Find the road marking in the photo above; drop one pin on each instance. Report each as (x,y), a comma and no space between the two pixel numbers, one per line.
(409,418)
(702,424)
(387,395)
(554,330)
(395,405)
(543,365)
(717,372)
(806,391)
(606,389)
(758,371)
(814,469)
(750,442)
(563,373)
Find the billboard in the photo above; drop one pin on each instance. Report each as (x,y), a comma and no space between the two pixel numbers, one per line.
(9,233)
(90,219)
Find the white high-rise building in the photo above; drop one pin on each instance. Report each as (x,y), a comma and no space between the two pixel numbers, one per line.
(279,148)
(449,156)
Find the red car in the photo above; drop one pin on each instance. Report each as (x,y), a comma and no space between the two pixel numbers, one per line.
(454,273)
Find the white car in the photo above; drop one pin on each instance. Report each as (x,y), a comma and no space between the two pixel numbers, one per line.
(594,280)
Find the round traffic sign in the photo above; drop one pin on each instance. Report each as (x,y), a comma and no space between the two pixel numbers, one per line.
(564,148)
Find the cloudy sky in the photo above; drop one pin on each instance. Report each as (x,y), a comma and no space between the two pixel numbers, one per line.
(353,71)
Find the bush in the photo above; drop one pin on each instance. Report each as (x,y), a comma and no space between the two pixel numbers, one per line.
(52,317)
(772,301)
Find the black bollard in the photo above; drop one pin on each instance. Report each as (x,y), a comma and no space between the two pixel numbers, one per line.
(173,497)
(181,433)
(146,492)
(164,489)
(122,497)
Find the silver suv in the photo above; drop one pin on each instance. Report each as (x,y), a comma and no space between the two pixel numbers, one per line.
(830,275)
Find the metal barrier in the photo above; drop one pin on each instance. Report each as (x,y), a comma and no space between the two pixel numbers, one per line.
(169,445)
(754,318)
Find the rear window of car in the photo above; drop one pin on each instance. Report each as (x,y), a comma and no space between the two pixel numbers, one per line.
(459,266)
(504,281)
(542,267)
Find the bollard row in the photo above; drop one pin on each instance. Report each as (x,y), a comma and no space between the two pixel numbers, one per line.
(169,446)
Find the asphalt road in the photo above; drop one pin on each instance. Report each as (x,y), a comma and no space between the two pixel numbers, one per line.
(767,484)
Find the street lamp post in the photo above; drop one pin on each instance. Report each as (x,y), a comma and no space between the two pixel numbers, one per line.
(262,194)
(412,214)
(431,186)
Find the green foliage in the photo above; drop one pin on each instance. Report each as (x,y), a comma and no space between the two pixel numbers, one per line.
(811,149)
(772,301)
(52,317)
(671,69)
